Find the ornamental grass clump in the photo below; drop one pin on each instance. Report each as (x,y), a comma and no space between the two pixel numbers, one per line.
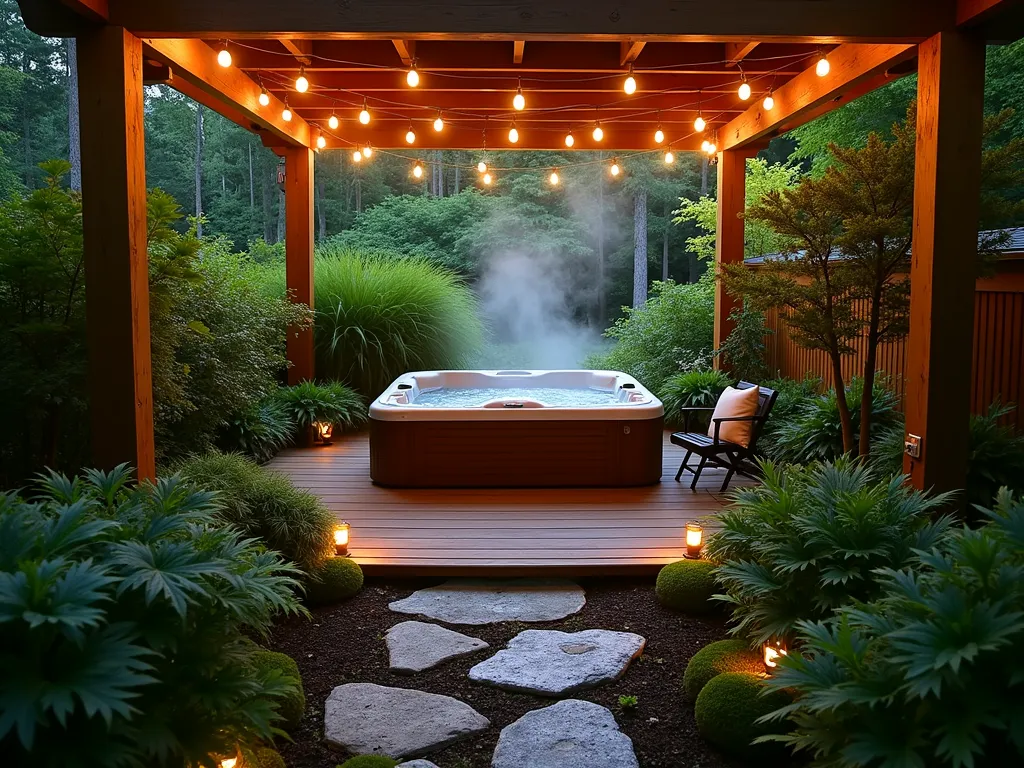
(809,540)
(928,673)
(122,612)
(308,403)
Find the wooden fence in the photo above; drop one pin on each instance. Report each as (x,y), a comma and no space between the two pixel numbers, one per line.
(998,369)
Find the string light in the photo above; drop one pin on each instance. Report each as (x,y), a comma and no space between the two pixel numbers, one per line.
(410,136)
(744,89)
(659,135)
(769,102)
(629,86)
(357,156)
(700,123)
(553,178)
(823,67)
(669,157)
(321,141)
(364,114)
(712,148)
(367,151)
(704,145)
(333,122)
(224,55)
(438,123)
(614,168)
(598,131)
(487,179)
(412,78)
(264,97)
(481,167)
(286,113)
(513,133)
(417,170)
(569,140)
(301,82)
(519,101)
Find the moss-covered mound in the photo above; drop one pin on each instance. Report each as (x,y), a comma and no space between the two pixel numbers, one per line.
(264,757)
(292,707)
(727,710)
(712,660)
(369,761)
(687,586)
(337,579)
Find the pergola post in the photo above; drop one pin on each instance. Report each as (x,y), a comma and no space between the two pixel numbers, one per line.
(298,203)
(729,244)
(116,260)
(951,79)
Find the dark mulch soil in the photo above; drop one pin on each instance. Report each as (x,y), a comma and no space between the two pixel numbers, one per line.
(345,644)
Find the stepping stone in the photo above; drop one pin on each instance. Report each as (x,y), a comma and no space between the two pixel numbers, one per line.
(368,719)
(466,601)
(415,645)
(552,663)
(417,764)
(569,734)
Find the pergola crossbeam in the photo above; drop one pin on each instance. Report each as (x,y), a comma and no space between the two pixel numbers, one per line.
(406,51)
(737,52)
(629,50)
(518,48)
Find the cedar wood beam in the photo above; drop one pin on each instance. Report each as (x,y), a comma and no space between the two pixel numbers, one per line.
(194,61)
(852,64)
(518,47)
(737,52)
(300,49)
(406,51)
(629,50)
(970,12)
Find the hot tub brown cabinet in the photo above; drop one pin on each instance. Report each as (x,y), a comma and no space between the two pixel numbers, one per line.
(510,429)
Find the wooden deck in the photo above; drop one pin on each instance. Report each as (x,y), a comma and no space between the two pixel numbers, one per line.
(518,531)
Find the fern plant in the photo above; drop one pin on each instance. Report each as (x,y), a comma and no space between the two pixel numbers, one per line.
(692,389)
(260,431)
(808,540)
(309,402)
(931,672)
(121,617)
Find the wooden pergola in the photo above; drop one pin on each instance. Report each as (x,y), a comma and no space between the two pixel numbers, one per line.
(570,58)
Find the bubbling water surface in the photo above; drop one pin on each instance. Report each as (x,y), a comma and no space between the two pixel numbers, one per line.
(465,397)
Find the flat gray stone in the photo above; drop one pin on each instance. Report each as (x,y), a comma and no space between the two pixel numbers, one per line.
(417,764)
(368,719)
(415,645)
(552,663)
(569,734)
(471,601)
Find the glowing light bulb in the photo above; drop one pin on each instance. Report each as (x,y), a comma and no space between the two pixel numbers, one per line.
(301,82)
(412,77)
(228,762)
(629,86)
(614,169)
(769,102)
(321,142)
(659,136)
(487,179)
(481,167)
(286,113)
(700,124)
(704,145)
(357,156)
(333,122)
(513,134)
(417,170)
(712,148)
(410,136)
(553,178)
(519,101)
(669,158)
(364,114)
(598,132)
(224,56)
(367,151)
(569,140)
(823,67)
(264,98)
(744,90)
(438,123)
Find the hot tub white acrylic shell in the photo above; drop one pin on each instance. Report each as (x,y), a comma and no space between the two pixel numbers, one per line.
(632,399)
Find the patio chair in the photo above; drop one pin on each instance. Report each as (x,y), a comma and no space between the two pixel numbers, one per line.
(713,450)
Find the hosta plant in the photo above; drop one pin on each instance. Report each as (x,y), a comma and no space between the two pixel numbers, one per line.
(122,610)
(809,540)
(931,672)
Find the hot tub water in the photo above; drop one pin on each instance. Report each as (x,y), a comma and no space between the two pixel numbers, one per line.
(468,397)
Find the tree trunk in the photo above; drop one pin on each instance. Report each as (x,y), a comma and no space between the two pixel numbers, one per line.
(870,360)
(845,419)
(458,179)
(199,169)
(639,247)
(703,176)
(252,185)
(664,245)
(280,216)
(602,299)
(359,194)
(320,212)
(267,186)
(74,128)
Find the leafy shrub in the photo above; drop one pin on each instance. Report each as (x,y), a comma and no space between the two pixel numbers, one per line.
(996,457)
(792,396)
(668,333)
(308,403)
(263,757)
(930,672)
(815,432)
(729,709)
(266,505)
(121,618)
(809,539)
(686,585)
(744,351)
(260,431)
(369,761)
(337,579)
(693,389)
(716,658)
(292,706)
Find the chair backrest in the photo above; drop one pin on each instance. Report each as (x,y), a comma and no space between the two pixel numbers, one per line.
(765,402)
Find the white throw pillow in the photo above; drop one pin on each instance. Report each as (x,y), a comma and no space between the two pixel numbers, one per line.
(735,402)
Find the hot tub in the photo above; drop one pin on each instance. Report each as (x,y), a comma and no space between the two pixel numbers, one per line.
(502,429)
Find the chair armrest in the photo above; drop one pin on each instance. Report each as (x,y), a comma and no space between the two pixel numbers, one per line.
(718,423)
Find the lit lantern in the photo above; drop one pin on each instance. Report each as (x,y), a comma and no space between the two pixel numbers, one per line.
(325,429)
(772,652)
(341,538)
(694,540)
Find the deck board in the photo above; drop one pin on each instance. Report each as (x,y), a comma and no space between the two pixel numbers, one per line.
(481,531)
